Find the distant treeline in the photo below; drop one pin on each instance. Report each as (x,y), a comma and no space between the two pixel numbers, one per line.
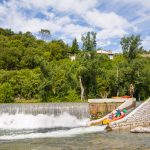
(38,69)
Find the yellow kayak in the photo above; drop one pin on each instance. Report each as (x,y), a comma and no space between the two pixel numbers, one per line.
(106,121)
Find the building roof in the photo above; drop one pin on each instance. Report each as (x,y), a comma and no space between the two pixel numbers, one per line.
(145,55)
(104,52)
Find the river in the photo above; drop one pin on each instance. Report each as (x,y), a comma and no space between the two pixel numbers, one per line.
(59,127)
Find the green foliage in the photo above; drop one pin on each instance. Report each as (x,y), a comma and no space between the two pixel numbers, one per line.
(136,65)
(72,96)
(27,101)
(31,59)
(45,34)
(45,91)
(75,47)
(6,32)
(32,70)
(25,83)
(131,46)
(58,50)
(6,93)
(89,41)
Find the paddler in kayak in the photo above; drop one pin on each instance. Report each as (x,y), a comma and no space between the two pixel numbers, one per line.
(110,116)
(118,113)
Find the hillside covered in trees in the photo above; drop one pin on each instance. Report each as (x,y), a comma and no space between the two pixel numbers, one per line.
(39,70)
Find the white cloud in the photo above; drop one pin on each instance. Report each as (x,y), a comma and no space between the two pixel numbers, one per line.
(62,20)
(18,21)
(111,33)
(73,6)
(35,24)
(23,16)
(31,4)
(146,43)
(48,15)
(103,43)
(73,30)
(64,25)
(77,6)
(2,10)
(105,20)
(109,25)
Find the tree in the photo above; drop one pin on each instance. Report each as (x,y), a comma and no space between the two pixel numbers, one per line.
(45,91)
(7,32)
(58,50)
(80,72)
(7,93)
(32,68)
(89,41)
(32,58)
(86,74)
(29,34)
(141,77)
(45,34)
(131,46)
(93,40)
(75,46)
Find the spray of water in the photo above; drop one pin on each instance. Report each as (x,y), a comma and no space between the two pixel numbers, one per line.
(55,134)
(28,121)
(30,126)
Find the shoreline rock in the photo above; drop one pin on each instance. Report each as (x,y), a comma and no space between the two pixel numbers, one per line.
(141,130)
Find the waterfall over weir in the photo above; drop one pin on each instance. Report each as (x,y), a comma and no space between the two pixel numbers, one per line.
(44,120)
(79,110)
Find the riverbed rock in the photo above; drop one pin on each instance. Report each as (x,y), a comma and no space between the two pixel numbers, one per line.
(141,130)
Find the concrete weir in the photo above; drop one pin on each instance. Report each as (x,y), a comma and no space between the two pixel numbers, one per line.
(138,117)
(98,106)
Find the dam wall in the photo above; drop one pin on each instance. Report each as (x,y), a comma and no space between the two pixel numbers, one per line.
(80,110)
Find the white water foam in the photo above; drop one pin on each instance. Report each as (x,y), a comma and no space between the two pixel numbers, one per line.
(28,121)
(55,134)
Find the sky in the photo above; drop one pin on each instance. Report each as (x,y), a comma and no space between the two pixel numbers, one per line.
(67,19)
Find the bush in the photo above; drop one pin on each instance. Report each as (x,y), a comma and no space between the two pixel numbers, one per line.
(6,93)
(72,96)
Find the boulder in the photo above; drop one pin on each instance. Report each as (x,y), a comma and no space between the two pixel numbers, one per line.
(141,130)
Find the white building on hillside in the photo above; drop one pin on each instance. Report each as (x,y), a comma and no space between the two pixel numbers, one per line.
(72,57)
(109,53)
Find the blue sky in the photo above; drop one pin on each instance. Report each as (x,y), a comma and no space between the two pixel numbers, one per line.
(66,19)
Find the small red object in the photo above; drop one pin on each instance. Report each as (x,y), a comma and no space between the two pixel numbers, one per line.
(126,96)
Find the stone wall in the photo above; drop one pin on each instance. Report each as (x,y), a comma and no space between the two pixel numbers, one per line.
(126,103)
(138,117)
(98,110)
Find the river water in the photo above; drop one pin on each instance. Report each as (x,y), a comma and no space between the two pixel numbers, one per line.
(59,127)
